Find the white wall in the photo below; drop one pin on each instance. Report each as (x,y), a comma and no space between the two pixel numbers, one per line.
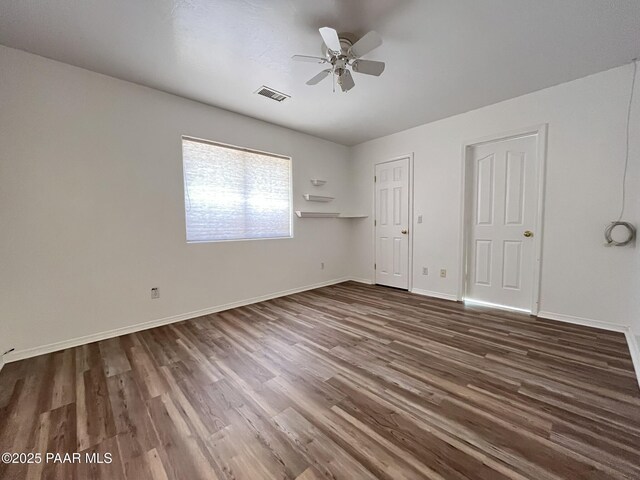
(587,118)
(92,215)
(633,187)
(91,203)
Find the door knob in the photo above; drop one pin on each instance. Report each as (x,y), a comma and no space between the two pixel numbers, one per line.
(528,233)
(404,232)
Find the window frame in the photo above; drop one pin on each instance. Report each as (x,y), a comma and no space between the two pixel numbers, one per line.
(191,138)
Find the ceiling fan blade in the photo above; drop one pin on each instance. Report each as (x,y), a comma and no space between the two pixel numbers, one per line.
(368,67)
(319,77)
(366,44)
(307,58)
(346,81)
(331,40)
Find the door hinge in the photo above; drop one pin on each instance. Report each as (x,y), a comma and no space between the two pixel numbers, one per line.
(375,222)
(375,178)
(375,266)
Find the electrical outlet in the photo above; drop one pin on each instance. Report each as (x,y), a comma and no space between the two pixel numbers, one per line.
(425,271)
(321,265)
(420,221)
(155,293)
(443,273)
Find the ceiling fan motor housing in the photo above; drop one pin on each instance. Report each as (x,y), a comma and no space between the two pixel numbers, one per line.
(346,42)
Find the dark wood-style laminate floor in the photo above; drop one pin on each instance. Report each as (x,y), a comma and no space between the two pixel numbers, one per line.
(344,382)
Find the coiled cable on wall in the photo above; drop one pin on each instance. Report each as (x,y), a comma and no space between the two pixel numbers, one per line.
(608,234)
(631,230)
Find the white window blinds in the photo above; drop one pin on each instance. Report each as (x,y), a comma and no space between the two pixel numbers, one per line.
(232,193)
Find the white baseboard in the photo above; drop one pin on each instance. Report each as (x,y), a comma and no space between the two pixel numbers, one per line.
(361,280)
(634,349)
(94,337)
(428,293)
(587,322)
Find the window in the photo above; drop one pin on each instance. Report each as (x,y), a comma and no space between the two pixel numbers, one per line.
(233,193)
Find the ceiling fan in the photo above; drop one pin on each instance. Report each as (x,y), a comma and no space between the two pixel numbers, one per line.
(341,53)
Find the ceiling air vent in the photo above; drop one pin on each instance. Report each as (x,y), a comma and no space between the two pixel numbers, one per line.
(271,93)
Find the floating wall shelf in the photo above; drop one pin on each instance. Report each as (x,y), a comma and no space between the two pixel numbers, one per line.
(302,214)
(316,214)
(316,198)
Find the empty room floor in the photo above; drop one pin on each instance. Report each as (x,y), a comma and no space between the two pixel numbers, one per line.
(347,382)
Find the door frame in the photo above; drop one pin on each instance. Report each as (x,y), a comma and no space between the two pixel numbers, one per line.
(465,198)
(408,156)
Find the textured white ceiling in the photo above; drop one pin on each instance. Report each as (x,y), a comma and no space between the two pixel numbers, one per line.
(443,56)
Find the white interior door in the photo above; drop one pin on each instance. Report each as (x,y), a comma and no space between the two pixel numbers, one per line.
(392,223)
(502,222)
